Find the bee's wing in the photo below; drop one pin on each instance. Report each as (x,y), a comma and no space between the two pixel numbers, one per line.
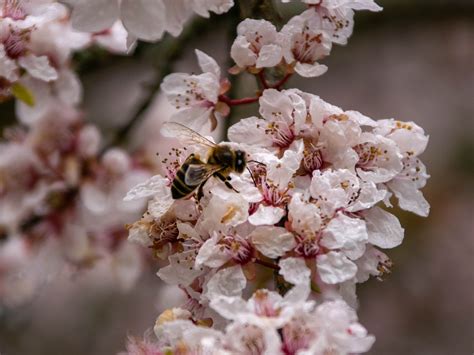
(198,173)
(184,134)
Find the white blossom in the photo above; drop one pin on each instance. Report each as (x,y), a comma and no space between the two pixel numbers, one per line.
(256,45)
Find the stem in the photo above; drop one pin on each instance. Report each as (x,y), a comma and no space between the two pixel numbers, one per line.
(236,102)
(282,82)
(267,264)
(263,80)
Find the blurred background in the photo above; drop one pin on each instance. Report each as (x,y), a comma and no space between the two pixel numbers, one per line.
(414,61)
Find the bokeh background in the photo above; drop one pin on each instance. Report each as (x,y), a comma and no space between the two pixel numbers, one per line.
(414,61)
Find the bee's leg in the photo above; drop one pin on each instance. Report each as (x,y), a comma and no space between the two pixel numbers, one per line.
(200,192)
(225,180)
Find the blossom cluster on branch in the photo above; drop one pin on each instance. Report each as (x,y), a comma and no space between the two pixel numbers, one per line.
(58,192)
(309,215)
(60,196)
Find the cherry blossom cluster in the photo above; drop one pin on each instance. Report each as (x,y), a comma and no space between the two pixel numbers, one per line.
(36,45)
(316,195)
(59,193)
(267,323)
(201,100)
(310,215)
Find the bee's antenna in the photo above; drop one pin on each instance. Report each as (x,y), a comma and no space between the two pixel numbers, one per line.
(251,175)
(257,162)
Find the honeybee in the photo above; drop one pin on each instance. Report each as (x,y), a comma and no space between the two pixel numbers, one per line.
(220,162)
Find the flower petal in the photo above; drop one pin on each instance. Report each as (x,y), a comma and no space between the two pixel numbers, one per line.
(335,267)
(144,18)
(272,241)
(384,228)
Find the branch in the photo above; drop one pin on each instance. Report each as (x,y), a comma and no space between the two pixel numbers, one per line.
(167,52)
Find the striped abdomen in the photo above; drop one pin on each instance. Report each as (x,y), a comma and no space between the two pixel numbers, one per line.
(179,189)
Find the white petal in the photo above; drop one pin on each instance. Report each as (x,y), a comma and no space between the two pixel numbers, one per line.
(228,307)
(177,13)
(228,282)
(69,87)
(181,269)
(38,67)
(155,185)
(160,205)
(272,241)
(250,131)
(335,267)
(409,197)
(208,64)
(266,215)
(241,52)
(211,254)
(310,70)
(349,234)
(139,234)
(144,18)
(294,270)
(94,16)
(269,56)
(384,228)
(8,67)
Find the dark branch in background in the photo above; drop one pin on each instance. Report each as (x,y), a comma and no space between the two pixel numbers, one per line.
(260,9)
(165,54)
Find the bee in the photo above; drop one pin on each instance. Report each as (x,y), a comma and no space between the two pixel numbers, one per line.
(193,173)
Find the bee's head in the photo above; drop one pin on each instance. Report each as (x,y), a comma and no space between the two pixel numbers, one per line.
(240,161)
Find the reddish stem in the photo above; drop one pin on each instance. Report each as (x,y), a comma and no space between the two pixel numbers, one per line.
(282,82)
(236,102)
(261,76)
